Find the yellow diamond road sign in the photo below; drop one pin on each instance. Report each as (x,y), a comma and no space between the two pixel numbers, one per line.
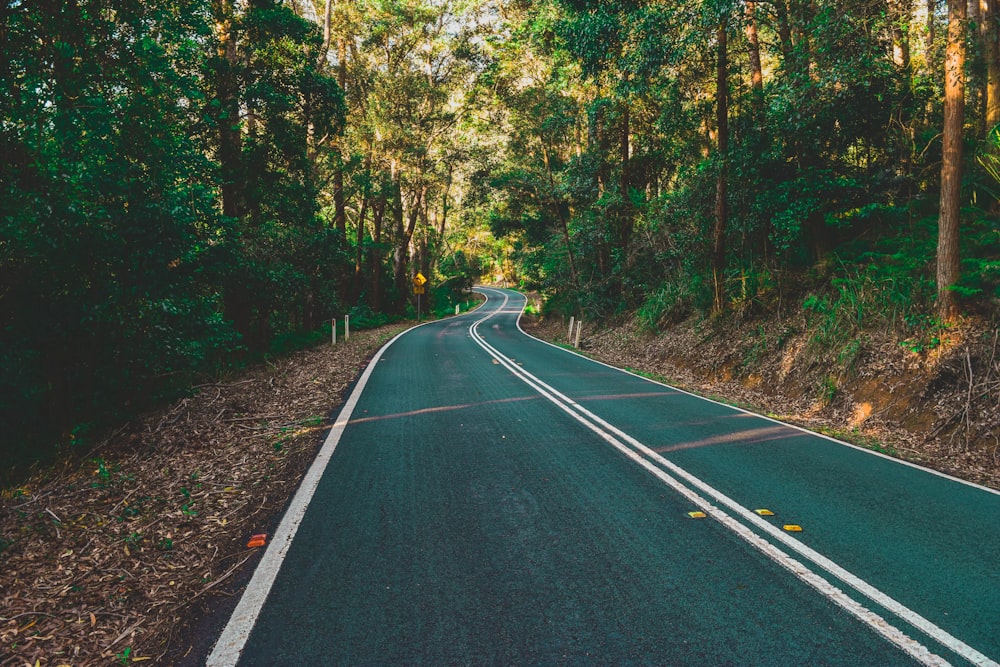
(419,279)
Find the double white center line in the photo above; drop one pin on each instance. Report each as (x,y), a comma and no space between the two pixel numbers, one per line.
(737,519)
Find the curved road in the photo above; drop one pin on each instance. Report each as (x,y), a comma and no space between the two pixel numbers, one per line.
(488,499)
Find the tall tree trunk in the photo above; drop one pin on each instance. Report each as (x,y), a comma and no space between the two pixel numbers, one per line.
(931,30)
(360,245)
(721,194)
(899,14)
(625,183)
(990,32)
(237,298)
(402,257)
(445,196)
(562,219)
(397,218)
(948,269)
(803,12)
(784,33)
(378,215)
(753,46)
(327,33)
(227,112)
(339,207)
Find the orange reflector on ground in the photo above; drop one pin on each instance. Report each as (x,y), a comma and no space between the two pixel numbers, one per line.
(696,515)
(257,540)
(792,528)
(764,512)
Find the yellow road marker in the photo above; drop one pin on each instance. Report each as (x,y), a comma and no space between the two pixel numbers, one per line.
(764,512)
(697,515)
(792,528)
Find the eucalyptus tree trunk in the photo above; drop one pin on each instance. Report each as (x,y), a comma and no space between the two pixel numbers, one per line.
(625,183)
(948,269)
(339,208)
(401,260)
(931,30)
(564,224)
(753,46)
(899,14)
(237,298)
(784,30)
(990,32)
(721,190)
(378,215)
(227,112)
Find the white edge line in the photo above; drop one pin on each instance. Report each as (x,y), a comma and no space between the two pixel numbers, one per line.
(608,431)
(802,429)
(890,632)
(230,645)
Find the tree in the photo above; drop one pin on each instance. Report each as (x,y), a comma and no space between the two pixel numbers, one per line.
(721,194)
(948,267)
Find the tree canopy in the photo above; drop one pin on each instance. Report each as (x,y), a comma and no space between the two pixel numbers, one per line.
(191,184)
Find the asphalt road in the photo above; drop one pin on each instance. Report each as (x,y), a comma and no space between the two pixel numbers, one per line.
(488,499)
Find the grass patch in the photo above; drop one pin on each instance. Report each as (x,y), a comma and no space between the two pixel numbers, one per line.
(856,437)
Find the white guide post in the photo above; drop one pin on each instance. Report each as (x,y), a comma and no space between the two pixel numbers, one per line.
(347,328)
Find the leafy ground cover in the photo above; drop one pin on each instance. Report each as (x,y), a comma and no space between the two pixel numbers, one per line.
(105,560)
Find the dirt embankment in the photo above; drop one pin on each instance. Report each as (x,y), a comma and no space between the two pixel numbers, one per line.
(937,405)
(105,561)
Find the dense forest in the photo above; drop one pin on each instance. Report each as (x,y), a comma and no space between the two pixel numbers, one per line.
(190,185)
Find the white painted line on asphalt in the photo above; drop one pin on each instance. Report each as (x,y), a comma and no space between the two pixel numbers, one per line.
(734,408)
(230,645)
(611,434)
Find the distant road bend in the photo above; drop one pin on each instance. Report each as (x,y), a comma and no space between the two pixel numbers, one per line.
(487,498)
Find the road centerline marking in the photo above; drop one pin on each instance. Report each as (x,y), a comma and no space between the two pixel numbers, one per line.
(656,463)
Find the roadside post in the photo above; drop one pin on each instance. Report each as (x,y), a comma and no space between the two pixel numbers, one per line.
(333,331)
(347,328)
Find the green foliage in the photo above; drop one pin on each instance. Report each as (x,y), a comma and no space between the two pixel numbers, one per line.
(831,167)
(669,303)
(118,269)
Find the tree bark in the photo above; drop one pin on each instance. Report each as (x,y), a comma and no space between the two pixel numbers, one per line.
(990,32)
(785,33)
(721,193)
(753,46)
(899,14)
(401,259)
(327,19)
(948,269)
(237,297)
(227,112)
(562,219)
(339,207)
(378,214)
(931,31)
(625,184)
